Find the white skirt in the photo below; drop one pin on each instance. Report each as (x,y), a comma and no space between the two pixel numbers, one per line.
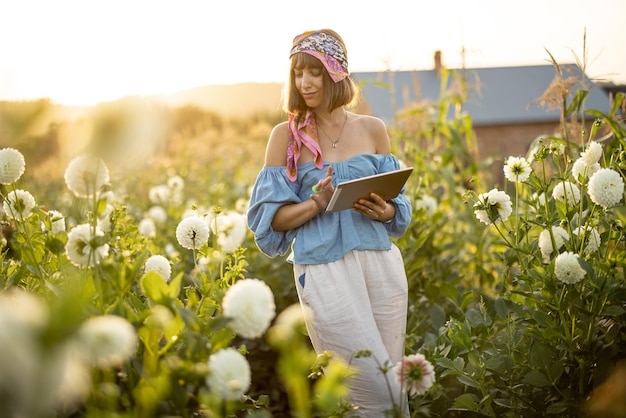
(360,302)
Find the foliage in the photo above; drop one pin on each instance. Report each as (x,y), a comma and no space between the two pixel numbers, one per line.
(507,336)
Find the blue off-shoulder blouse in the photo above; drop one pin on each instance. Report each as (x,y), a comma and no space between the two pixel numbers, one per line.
(328,236)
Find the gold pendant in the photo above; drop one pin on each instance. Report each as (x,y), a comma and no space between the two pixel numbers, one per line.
(334,145)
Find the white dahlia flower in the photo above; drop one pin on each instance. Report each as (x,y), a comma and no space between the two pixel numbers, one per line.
(192,232)
(107,340)
(85,175)
(428,203)
(567,268)
(517,169)
(83,248)
(566,192)
(229,374)
(545,241)
(591,236)
(493,206)
(12,165)
(606,188)
(57,221)
(159,264)
(147,227)
(159,194)
(231,230)
(158,214)
(19,204)
(592,153)
(249,303)
(582,171)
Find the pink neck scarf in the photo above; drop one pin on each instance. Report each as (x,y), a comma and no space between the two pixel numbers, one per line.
(302,133)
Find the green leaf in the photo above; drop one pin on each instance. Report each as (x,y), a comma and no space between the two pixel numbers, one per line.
(494,363)
(556,370)
(536,379)
(475,318)
(613,310)
(543,319)
(154,287)
(468,381)
(557,408)
(444,362)
(466,402)
(437,316)
(174,286)
(577,102)
(500,307)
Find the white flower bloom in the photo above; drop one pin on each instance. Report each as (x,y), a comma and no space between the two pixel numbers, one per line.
(19,204)
(517,169)
(566,192)
(82,248)
(592,154)
(35,382)
(415,374)
(159,264)
(591,237)
(493,206)
(147,227)
(85,175)
(581,170)
(232,229)
(242,205)
(12,165)
(27,308)
(192,232)
(567,268)
(72,376)
(107,340)
(428,203)
(545,241)
(158,214)
(229,374)
(250,305)
(176,183)
(57,221)
(159,194)
(606,188)
(290,324)
(20,351)
(171,251)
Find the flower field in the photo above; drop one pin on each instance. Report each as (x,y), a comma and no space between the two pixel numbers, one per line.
(136,290)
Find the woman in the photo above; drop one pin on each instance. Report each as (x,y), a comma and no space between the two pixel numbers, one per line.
(347,270)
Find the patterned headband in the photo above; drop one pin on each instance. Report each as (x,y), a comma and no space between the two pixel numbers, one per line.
(327,49)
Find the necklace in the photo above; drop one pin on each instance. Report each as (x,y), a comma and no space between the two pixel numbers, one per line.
(335,142)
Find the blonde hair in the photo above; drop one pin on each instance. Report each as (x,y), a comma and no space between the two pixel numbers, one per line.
(342,93)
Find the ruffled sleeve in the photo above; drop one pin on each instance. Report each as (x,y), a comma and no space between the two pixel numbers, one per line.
(400,223)
(271,190)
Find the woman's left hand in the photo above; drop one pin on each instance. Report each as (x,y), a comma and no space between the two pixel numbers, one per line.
(375,208)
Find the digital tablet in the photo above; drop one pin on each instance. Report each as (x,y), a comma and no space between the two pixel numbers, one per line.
(387,185)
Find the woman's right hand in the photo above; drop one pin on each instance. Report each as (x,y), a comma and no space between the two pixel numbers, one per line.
(324,190)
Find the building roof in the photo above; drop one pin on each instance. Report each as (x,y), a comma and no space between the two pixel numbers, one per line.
(505,95)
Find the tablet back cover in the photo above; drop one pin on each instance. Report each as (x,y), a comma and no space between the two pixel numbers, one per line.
(387,185)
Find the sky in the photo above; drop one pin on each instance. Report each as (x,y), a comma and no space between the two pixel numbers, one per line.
(82,52)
